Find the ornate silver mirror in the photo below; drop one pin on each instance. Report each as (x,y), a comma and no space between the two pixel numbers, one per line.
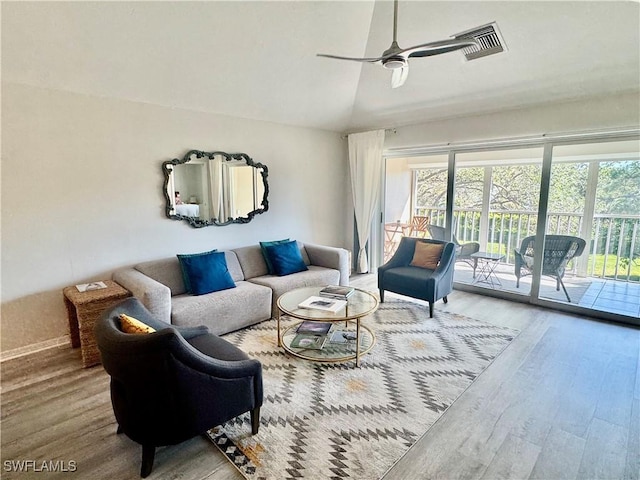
(215,188)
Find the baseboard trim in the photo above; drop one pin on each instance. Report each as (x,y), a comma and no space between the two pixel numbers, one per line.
(33,348)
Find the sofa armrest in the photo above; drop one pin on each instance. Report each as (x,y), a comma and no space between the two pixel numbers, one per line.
(330,257)
(153,295)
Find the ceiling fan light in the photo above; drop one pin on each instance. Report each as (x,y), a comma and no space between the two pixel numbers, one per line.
(394,62)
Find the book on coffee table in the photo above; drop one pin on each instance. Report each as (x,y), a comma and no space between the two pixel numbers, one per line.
(305,340)
(337,291)
(342,336)
(315,328)
(323,303)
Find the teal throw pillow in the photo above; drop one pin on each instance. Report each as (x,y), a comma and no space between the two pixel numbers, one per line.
(263,246)
(205,272)
(286,258)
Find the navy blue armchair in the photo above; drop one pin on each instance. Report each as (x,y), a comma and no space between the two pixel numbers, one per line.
(398,276)
(176,383)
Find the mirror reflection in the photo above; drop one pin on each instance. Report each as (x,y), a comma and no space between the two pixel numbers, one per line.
(215,188)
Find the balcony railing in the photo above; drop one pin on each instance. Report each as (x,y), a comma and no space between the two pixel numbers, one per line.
(613,246)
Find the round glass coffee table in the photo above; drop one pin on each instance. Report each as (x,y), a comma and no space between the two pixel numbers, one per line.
(348,339)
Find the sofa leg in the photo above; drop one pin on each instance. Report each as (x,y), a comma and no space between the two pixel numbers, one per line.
(255,420)
(431,309)
(119,429)
(445,299)
(381,296)
(148,453)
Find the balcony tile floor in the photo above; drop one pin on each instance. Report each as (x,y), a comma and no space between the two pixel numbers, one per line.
(612,296)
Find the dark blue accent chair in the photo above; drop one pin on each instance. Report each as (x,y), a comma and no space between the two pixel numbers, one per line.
(398,276)
(176,383)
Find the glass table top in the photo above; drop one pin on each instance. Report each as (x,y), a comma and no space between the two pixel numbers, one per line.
(360,304)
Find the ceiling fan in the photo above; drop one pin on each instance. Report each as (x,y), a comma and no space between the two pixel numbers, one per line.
(397,59)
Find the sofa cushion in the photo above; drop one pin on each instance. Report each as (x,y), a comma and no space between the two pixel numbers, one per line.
(252,261)
(411,281)
(233,265)
(166,271)
(314,276)
(223,311)
(285,258)
(205,272)
(267,259)
(133,325)
(427,255)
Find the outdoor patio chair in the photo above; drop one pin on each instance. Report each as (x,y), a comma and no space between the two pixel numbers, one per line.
(558,251)
(418,226)
(463,250)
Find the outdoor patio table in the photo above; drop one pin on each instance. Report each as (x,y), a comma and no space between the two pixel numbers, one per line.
(488,263)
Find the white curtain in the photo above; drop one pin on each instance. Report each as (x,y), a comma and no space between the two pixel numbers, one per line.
(228,197)
(215,180)
(365,161)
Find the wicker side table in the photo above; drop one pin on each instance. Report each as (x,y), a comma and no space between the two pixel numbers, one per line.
(84,309)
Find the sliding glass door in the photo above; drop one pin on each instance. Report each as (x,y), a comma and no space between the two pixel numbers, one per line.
(495,208)
(553,222)
(594,197)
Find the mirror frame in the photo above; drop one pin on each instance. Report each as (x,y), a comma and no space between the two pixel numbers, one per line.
(167,169)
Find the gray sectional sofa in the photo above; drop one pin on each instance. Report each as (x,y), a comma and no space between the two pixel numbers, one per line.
(159,286)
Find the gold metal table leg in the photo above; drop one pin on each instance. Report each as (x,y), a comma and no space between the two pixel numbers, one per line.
(357,342)
(278,321)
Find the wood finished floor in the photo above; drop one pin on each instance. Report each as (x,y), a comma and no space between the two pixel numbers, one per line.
(562,401)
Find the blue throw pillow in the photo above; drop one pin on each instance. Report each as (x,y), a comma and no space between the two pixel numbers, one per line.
(263,246)
(286,258)
(205,272)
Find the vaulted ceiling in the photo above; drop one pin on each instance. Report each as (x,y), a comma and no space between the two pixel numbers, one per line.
(258,59)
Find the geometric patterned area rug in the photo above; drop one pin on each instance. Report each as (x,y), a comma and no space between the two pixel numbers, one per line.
(330,421)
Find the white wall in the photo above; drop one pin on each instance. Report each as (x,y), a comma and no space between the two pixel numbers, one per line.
(82,185)
(587,114)
(82,194)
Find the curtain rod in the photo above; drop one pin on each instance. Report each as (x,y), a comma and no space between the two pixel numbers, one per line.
(386,130)
(602,134)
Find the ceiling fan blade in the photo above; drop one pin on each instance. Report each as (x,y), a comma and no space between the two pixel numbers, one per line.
(396,58)
(399,76)
(369,60)
(436,48)
(390,52)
